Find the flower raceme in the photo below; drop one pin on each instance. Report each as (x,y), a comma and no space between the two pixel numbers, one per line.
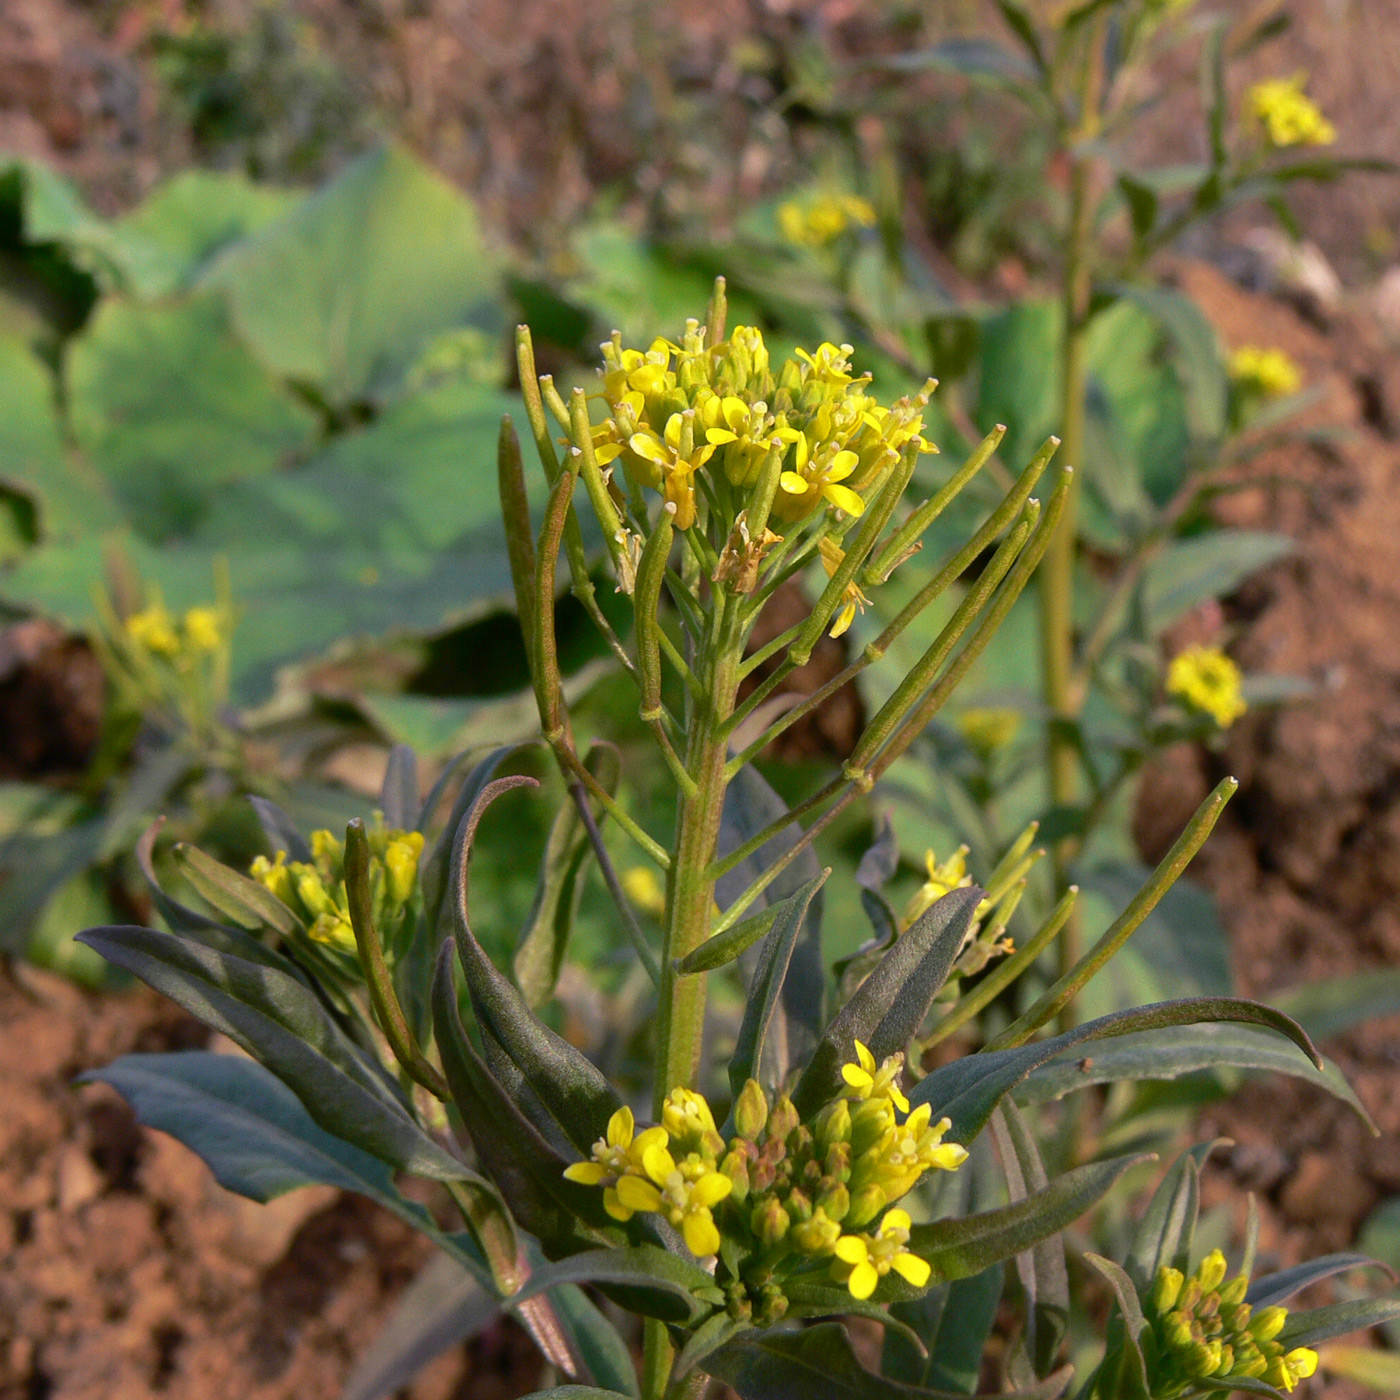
(315,890)
(1287,115)
(1203,1335)
(1207,680)
(785,1194)
(1268,372)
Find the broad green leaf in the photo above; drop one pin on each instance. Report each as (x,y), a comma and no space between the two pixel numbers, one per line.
(33,868)
(670,1287)
(345,290)
(168,405)
(960,1248)
(168,239)
(545,937)
(1165,1054)
(967,1090)
(750,804)
(766,983)
(818,1363)
(1279,1287)
(888,1008)
(279,1021)
(68,496)
(1333,1005)
(256,1136)
(1189,572)
(54,212)
(1307,1329)
(1019,365)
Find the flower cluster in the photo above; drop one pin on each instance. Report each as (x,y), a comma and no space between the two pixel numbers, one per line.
(819,221)
(315,890)
(1287,115)
(943,878)
(1207,680)
(1269,373)
(1202,1335)
(786,1194)
(158,631)
(701,422)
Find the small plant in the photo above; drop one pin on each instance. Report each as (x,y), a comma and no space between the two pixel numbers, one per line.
(807,1171)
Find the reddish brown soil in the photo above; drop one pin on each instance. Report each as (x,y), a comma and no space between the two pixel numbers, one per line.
(127,1273)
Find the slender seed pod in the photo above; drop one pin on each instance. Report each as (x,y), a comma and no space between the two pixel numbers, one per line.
(520,539)
(534,404)
(546,668)
(608,519)
(651,573)
(717,313)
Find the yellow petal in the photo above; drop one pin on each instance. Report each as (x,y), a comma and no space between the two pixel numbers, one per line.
(794,484)
(621,1127)
(895,1220)
(736,413)
(911,1268)
(672,433)
(613,1206)
(720,435)
(648,1138)
(701,1236)
(844,618)
(863,1280)
(843,498)
(850,1249)
(710,1190)
(856,1077)
(658,1163)
(635,1193)
(842,465)
(647,447)
(585,1173)
(867,1060)
(607,452)
(918,1120)
(949,1157)
(897,1095)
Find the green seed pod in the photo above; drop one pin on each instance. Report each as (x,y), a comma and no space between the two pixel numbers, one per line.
(651,573)
(751,1110)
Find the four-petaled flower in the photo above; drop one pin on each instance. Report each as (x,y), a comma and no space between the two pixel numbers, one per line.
(684,1193)
(866,1259)
(865,1080)
(1207,680)
(810,480)
(677,456)
(620,1152)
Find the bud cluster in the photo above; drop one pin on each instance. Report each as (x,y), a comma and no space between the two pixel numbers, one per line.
(1203,1335)
(782,1193)
(704,423)
(315,890)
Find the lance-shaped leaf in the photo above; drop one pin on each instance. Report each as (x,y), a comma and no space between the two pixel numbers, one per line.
(591,1337)
(751,805)
(279,1021)
(711,1334)
(1168,1224)
(280,830)
(437,861)
(655,1282)
(767,982)
(545,938)
(953,1322)
(1123,1374)
(235,896)
(258,1139)
(967,1090)
(1041,1269)
(888,1008)
(1279,1287)
(818,1363)
(1307,1329)
(565,1086)
(1188,1050)
(1334,1005)
(528,1170)
(398,797)
(959,1248)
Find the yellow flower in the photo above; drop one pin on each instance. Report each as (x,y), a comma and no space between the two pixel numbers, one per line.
(274,875)
(686,1199)
(204,629)
(642,886)
(865,1259)
(614,1156)
(865,1081)
(1288,1370)
(823,219)
(401,862)
(154,629)
(813,479)
(852,599)
(675,452)
(1268,372)
(1207,680)
(942,879)
(687,1118)
(989,730)
(913,1148)
(1287,115)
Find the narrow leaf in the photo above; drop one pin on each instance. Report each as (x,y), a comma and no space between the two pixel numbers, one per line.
(236,896)
(1307,1329)
(280,830)
(1279,1287)
(667,1287)
(398,797)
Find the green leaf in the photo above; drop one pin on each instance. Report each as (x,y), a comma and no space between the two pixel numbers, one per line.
(1279,1287)
(767,981)
(968,1089)
(437,859)
(711,1334)
(968,58)
(235,895)
(1141,200)
(960,1248)
(33,868)
(888,1008)
(1019,369)
(167,405)
(545,938)
(1189,572)
(1307,1329)
(256,1136)
(953,1320)
(594,1340)
(1019,21)
(344,291)
(1332,1005)
(1124,1367)
(818,1363)
(668,1287)
(750,804)
(1168,1226)
(280,830)
(279,1021)
(1165,1054)
(172,235)
(1368,1367)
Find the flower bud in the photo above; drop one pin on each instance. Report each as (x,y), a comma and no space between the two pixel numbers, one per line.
(1167,1288)
(770,1221)
(1202,1360)
(751,1109)
(1227,1360)
(782,1119)
(866,1204)
(799,1205)
(1212,1271)
(799,1141)
(833,1125)
(772,1304)
(736,1167)
(1234,1291)
(1267,1323)
(869,1124)
(837,1163)
(835,1202)
(817,1235)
